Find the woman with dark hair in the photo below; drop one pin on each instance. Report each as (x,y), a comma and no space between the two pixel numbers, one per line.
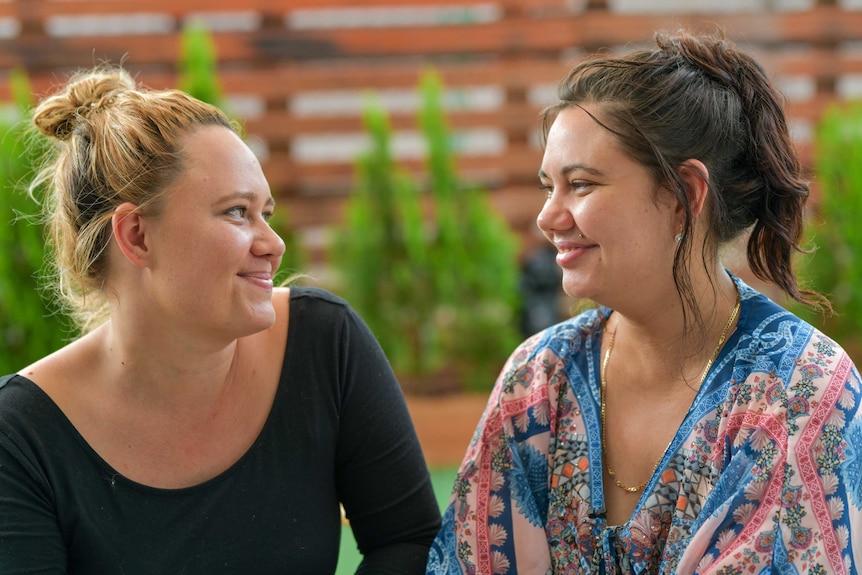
(687,424)
(206,421)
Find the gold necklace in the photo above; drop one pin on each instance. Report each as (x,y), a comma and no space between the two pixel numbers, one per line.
(604,387)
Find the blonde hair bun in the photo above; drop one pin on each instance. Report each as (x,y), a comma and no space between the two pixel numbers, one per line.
(85,93)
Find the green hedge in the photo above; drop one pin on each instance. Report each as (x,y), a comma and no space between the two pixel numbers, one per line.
(30,327)
(430,265)
(835,268)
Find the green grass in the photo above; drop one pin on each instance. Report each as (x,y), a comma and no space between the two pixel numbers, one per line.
(349,557)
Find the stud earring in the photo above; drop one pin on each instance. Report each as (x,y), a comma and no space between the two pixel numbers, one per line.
(678,237)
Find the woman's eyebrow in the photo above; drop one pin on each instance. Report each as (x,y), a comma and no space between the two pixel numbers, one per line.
(574,168)
(250,196)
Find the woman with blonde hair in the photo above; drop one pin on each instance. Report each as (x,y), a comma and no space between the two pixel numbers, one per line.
(205,422)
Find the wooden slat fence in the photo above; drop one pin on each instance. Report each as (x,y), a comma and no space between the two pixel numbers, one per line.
(295,71)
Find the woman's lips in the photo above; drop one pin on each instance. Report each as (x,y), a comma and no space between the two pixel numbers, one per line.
(569,254)
(260,279)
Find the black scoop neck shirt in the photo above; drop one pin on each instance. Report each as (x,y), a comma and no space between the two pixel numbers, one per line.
(338,431)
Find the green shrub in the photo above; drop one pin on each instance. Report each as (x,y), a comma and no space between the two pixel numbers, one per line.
(198,73)
(30,327)
(835,268)
(434,272)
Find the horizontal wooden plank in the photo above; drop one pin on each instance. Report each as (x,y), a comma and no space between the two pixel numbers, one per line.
(283,83)
(810,110)
(518,204)
(592,30)
(515,164)
(814,62)
(311,211)
(509,116)
(289,79)
(282,125)
(43,9)
(49,8)
(39,52)
(273,82)
(820,25)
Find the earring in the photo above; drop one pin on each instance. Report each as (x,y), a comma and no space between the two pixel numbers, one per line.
(678,237)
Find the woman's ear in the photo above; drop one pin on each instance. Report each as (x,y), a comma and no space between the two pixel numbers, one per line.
(130,233)
(695,176)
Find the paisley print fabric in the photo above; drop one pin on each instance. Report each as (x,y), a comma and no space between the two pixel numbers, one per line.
(763,476)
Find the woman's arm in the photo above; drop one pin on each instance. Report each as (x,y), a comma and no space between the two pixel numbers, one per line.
(791,495)
(498,509)
(382,478)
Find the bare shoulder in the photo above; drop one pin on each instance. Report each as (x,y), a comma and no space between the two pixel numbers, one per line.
(281,303)
(280,295)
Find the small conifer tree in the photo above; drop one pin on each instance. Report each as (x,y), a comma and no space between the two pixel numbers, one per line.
(433,269)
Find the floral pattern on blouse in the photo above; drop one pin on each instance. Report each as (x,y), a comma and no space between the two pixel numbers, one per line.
(764,475)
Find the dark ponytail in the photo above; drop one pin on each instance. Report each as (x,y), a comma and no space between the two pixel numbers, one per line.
(768,192)
(700,97)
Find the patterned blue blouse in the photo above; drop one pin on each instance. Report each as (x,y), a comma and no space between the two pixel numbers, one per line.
(764,475)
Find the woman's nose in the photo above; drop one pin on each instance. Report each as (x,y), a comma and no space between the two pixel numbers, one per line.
(554,215)
(268,242)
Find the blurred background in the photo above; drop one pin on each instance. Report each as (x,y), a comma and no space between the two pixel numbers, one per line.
(401,142)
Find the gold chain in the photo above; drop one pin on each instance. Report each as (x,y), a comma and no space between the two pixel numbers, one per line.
(604,386)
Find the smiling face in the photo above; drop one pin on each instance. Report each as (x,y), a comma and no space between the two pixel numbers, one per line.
(213,252)
(613,232)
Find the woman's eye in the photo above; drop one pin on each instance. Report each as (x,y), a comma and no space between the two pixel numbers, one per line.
(579,186)
(237,211)
(267,216)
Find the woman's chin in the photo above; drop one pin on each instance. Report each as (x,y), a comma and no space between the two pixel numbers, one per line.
(258,319)
(577,289)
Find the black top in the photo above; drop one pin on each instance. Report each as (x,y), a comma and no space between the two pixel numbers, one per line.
(338,430)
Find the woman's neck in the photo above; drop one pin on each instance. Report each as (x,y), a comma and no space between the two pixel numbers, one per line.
(162,368)
(664,344)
